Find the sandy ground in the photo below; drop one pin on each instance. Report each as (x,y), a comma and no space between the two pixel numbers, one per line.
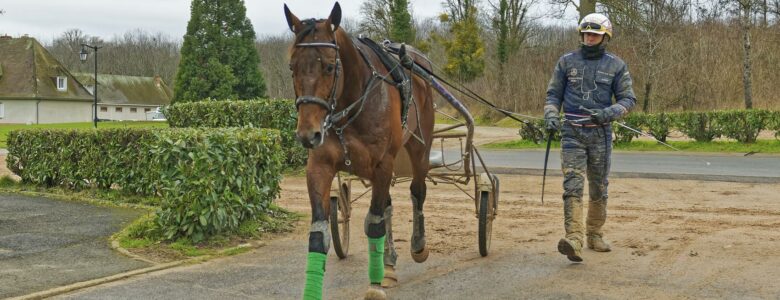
(671,239)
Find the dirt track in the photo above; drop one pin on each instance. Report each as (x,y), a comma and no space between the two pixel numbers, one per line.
(679,239)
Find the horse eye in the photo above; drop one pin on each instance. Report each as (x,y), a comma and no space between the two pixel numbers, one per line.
(329,68)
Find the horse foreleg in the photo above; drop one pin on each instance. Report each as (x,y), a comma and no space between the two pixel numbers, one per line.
(375,227)
(318,182)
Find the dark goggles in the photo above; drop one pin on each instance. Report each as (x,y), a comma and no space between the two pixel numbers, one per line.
(590,26)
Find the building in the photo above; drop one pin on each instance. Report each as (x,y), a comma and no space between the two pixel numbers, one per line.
(36,88)
(123,97)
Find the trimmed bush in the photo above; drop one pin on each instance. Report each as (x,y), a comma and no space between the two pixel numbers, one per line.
(659,125)
(535,132)
(775,124)
(743,125)
(209,180)
(633,120)
(258,113)
(700,126)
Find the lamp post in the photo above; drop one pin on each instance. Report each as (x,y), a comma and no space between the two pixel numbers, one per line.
(83,56)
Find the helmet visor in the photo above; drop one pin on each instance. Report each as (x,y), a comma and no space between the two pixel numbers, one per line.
(593,28)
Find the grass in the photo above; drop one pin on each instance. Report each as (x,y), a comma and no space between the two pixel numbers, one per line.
(761,146)
(145,237)
(5,128)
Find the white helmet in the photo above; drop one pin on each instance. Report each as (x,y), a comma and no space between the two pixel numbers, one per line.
(596,23)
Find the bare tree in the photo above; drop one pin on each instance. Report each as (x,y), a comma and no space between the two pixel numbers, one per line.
(377,19)
(648,24)
(584,7)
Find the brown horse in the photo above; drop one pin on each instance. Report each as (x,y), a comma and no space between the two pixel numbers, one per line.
(349,117)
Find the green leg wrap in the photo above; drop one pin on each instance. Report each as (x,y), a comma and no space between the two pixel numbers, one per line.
(376,253)
(315,271)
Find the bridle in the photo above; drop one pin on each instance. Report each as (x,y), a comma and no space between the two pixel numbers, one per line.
(330,103)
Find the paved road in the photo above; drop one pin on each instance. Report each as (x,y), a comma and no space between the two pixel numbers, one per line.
(724,167)
(47,243)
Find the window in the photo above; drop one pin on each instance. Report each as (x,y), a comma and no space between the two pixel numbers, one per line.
(2,110)
(146,110)
(103,109)
(62,83)
(133,110)
(118,109)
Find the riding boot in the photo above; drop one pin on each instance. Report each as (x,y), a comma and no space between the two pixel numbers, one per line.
(571,245)
(597,215)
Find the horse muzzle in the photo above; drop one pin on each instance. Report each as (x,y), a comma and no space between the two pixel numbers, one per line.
(311,139)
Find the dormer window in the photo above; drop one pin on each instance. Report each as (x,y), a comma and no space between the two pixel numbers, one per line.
(62,83)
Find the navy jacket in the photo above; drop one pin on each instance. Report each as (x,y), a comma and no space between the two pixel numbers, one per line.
(590,83)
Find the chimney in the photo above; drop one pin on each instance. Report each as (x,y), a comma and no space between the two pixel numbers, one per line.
(157,81)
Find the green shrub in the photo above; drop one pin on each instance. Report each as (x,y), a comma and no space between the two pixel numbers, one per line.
(259,113)
(700,126)
(633,120)
(212,181)
(535,132)
(774,123)
(658,125)
(209,180)
(743,125)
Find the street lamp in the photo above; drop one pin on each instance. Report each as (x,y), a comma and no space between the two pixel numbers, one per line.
(83,56)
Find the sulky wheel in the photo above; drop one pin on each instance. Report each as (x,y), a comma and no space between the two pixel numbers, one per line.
(339,221)
(488,202)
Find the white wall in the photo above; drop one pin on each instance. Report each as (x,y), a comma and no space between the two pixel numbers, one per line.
(126,114)
(18,111)
(59,111)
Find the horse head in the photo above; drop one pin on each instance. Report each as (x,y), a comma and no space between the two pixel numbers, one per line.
(316,70)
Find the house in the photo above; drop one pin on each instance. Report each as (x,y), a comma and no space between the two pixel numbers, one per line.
(123,97)
(36,88)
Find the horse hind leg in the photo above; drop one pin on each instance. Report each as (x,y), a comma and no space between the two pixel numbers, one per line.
(418,152)
(390,279)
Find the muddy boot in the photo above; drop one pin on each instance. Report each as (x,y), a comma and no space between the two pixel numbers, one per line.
(570,248)
(596,243)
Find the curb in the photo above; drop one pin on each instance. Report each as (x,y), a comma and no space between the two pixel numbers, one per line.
(129,274)
(722,178)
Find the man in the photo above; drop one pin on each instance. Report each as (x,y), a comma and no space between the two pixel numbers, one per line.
(582,86)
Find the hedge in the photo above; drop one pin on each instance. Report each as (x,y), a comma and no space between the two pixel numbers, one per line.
(258,113)
(741,125)
(209,180)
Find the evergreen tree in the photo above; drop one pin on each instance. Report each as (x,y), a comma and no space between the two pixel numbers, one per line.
(402,30)
(466,51)
(218,58)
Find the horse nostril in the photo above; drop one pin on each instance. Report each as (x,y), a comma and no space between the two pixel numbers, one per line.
(317,138)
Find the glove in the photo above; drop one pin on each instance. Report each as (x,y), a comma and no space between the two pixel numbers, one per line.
(552,121)
(599,117)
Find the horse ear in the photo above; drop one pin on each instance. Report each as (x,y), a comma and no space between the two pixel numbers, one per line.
(292,21)
(335,16)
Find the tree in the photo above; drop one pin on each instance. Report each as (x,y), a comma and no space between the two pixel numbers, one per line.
(387,19)
(402,29)
(648,23)
(584,7)
(744,10)
(466,51)
(218,57)
(510,25)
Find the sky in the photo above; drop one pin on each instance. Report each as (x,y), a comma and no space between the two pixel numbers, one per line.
(47,19)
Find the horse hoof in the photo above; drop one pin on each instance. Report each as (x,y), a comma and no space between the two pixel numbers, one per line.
(375,292)
(420,256)
(390,280)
